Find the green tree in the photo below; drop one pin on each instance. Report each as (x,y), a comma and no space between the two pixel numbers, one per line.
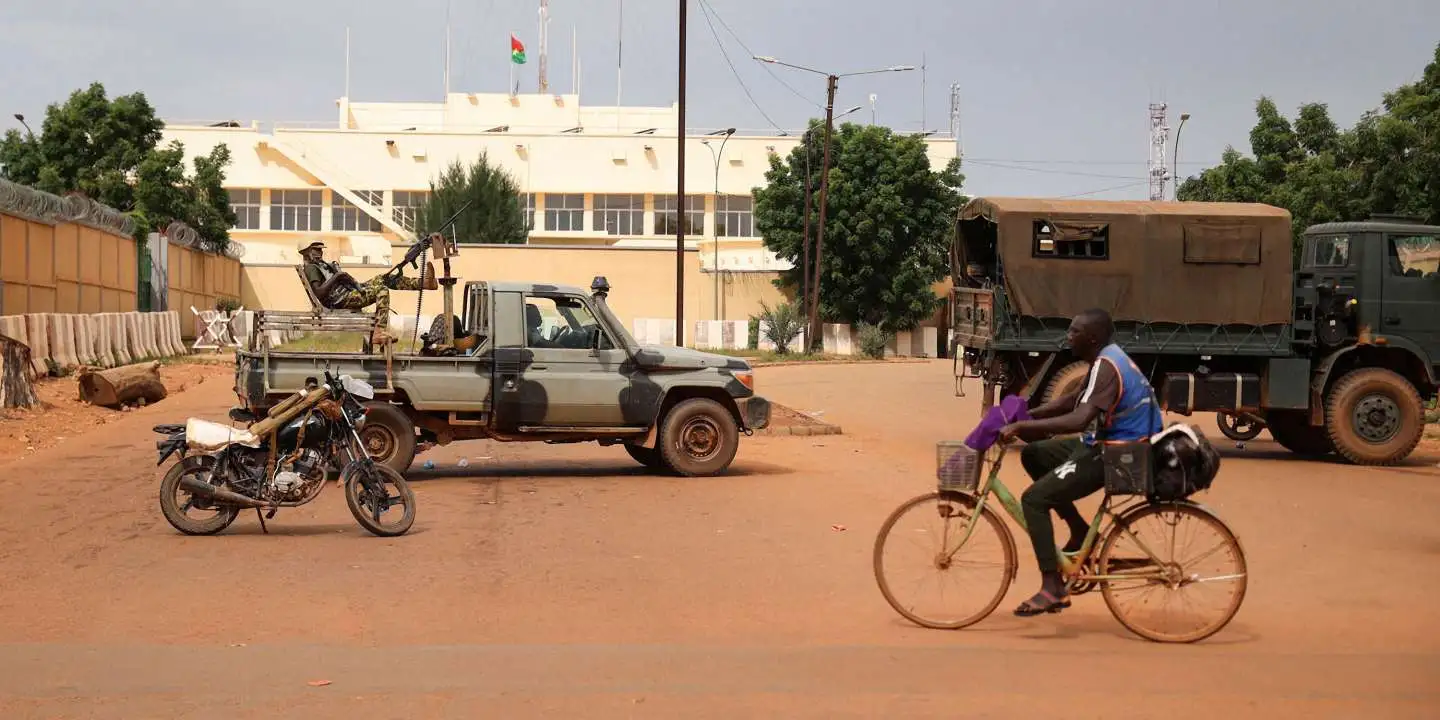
(888,228)
(107,149)
(496,215)
(1389,162)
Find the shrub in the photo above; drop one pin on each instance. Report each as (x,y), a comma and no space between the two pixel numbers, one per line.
(873,340)
(753,340)
(227,305)
(782,323)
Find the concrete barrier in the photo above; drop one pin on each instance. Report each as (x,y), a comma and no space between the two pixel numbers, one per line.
(62,340)
(176,341)
(836,339)
(119,338)
(152,334)
(104,346)
(13,327)
(720,334)
(133,342)
(83,338)
(37,327)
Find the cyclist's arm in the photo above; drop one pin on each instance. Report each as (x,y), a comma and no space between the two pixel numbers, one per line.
(1058,406)
(1101,390)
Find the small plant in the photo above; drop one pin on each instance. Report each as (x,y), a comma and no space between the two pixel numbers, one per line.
(753,340)
(227,305)
(873,340)
(782,325)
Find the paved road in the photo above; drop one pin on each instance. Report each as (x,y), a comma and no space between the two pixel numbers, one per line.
(563,581)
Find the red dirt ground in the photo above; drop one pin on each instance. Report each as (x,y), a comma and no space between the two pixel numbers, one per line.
(555,580)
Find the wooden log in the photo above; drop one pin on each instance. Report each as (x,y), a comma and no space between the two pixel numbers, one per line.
(17,375)
(122,386)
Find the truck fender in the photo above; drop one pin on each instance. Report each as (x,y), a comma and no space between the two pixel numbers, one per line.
(673,395)
(1321,379)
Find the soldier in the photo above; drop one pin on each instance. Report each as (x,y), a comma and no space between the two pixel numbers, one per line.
(338,290)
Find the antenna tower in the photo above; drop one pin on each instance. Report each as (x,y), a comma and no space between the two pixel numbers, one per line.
(1159,170)
(544,44)
(955,119)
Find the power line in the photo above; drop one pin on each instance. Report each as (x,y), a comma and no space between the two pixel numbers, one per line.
(1079,162)
(1105,189)
(726,55)
(983,163)
(705,7)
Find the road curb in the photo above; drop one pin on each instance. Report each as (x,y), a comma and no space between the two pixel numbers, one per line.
(821,429)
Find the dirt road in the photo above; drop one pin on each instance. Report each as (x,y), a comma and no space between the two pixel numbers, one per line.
(564,581)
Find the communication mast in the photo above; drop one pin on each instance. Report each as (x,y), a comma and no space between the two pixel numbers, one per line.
(955,119)
(1159,169)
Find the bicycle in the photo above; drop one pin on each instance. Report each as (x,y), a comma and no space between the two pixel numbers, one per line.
(960,496)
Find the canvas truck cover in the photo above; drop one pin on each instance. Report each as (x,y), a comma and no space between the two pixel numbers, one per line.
(1170,262)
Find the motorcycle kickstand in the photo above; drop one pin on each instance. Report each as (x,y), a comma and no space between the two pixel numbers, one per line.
(261,516)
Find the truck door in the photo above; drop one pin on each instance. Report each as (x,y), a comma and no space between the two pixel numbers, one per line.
(1410,298)
(581,375)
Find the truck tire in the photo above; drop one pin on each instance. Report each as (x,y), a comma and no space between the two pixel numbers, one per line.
(698,437)
(1374,416)
(649,457)
(1066,380)
(1292,429)
(389,436)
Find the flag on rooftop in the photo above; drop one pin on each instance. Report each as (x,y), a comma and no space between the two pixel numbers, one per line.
(517,50)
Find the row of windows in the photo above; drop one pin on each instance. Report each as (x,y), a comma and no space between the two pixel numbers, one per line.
(300,211)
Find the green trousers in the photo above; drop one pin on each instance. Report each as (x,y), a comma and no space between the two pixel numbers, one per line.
(376,291)
(1064,470)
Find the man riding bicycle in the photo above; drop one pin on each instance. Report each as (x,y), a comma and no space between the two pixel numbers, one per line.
(1115,402)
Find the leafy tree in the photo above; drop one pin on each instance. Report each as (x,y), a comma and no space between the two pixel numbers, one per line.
(888,227)
(496,215)
(108,150)
(1389,162)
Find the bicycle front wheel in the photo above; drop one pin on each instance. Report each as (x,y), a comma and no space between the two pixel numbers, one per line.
(1189,572)
(931,573)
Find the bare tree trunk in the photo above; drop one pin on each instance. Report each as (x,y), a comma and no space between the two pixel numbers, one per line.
(17,375)
(122,385)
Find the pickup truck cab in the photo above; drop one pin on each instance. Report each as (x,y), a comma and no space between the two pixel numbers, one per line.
(539,362)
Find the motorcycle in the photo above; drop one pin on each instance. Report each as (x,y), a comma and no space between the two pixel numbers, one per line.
(281,461)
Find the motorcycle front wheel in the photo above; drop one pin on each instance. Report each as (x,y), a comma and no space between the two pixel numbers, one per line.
(372,492)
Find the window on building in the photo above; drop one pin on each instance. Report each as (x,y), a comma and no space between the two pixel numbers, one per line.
(620,214)
(528,212)
(564,213)
(1070,240)
(667,219)
(246,204)
(347,217)
(296,210)
(405,205)
(734,216)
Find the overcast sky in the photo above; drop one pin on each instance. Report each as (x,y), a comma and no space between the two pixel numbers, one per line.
(1054,93)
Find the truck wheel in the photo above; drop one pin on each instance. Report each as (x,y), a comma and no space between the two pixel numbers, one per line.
(1294,432)
(649,457)
(1066,380)
(389,436)
(1374,417)
(698,437)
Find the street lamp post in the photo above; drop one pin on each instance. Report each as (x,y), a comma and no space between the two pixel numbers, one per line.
(715,236)
(831,82)
(21,118)
(1176,154)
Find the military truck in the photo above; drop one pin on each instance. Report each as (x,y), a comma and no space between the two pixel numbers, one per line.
(535,362)
(1335,351)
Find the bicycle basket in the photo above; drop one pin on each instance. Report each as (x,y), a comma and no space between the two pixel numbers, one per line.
(957,466)
(1128,468)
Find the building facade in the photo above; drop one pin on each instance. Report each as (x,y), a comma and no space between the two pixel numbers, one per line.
(597,176)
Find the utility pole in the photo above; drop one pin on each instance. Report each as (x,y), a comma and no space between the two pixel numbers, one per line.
(815,330)
(680,194)
(805,235)
(831,81)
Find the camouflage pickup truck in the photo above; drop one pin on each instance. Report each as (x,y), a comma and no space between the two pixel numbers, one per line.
(535,362)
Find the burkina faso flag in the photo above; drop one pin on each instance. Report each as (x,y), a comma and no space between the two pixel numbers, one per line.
(517,50)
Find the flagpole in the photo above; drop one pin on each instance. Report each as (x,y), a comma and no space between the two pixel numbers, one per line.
(619,58)
(511,87)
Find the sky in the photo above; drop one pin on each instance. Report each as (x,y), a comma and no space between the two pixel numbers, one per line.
(1053,95)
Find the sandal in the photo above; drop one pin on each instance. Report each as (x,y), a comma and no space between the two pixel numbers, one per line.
(1051,604)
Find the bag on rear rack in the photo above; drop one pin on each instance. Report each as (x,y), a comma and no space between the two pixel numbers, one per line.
(1184,462)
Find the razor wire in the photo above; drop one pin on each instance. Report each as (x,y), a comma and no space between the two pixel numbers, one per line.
(51,208)
(179,233)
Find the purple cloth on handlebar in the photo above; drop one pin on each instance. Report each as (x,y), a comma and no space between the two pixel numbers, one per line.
(1013,408)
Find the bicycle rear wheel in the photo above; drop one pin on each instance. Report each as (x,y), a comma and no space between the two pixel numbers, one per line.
(928,577)
(1202,563)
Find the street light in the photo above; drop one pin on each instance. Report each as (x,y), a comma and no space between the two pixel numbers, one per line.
(832,80)
(1176,154)
(715,238)
(21,118)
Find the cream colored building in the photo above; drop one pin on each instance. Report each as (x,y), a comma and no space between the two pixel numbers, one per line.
(591,176)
